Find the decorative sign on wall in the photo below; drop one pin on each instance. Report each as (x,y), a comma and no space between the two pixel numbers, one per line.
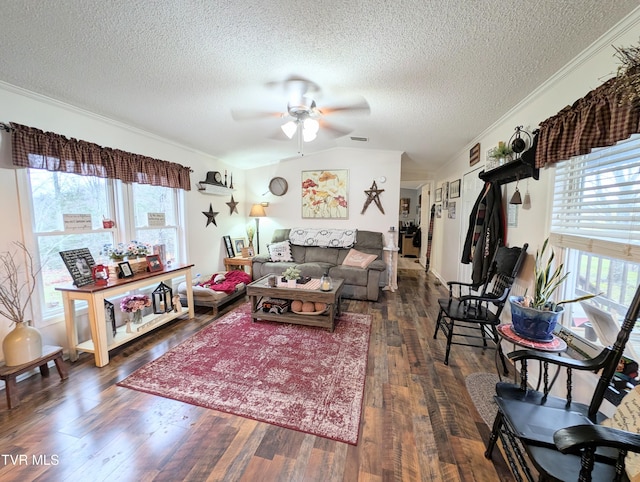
(474,155)
(156,220)
(76,222)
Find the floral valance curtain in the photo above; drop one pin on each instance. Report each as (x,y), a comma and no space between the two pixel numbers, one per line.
(46,150)
(601,118)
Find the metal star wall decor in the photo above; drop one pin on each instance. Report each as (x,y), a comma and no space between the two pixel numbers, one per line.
(232,206)
(373,194)
(211,216)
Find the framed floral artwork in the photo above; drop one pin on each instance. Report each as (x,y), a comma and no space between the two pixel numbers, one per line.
(325,194)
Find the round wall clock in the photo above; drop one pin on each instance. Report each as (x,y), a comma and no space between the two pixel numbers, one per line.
(278,186)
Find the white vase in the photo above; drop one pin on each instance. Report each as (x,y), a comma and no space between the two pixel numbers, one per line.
(291,283)
(22,345)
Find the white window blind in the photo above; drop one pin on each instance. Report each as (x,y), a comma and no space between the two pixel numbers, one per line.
(596,204)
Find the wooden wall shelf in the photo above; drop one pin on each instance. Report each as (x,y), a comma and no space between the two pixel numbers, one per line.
(510,172)
(214,190)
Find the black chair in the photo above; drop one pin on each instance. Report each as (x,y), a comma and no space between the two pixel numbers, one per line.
(471,312)
(547,432)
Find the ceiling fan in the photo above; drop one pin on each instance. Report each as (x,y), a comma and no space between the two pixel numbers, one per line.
(302,116)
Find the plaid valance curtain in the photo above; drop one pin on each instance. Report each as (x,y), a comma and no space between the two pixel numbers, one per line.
(601,118)
(46,150)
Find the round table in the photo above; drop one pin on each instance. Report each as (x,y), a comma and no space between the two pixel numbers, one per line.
(555,345)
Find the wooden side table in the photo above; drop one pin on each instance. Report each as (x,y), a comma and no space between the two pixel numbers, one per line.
(238,262)
(9,374)
(555,345)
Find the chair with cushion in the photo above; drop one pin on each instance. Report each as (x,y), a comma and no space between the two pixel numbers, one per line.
(534,426)
(470,314)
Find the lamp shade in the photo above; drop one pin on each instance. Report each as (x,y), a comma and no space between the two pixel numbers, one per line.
(257,211)
(289,129)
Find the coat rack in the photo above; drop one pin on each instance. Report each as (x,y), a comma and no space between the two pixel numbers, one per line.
(523,167)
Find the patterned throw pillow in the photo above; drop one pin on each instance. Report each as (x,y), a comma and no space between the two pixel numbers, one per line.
(280,251)
(358,260)
(627,417)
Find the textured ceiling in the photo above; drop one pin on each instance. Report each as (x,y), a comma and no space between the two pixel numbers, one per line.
(435,73)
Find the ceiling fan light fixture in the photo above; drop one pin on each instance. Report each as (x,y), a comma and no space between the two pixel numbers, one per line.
(308,135)
(311,125)
(289,129)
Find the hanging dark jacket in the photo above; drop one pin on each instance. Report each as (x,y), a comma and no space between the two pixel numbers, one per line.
(486,229)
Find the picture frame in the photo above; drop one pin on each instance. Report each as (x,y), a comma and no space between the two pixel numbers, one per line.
(154,263)
(454,189)
(110,316)
(125,270)
(325,194)
(229,246)
(474,155)
(80,264)
(439,195)
(452,210)
(238,244)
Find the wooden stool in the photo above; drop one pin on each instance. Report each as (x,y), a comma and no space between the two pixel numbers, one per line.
(9,374)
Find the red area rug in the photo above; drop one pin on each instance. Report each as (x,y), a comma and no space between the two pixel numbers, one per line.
(299,377)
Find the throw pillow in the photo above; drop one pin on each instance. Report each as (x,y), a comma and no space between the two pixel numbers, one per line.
(358,259)
(280,251)
(627,417)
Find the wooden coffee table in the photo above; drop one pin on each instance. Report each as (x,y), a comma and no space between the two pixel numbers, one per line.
(260,289)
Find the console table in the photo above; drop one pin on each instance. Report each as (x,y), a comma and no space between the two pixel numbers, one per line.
(95,296)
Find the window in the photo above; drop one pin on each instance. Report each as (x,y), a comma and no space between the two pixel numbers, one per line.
(53,194)
(596,220)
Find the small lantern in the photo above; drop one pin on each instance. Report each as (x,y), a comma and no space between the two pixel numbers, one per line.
(326,283)
(162,299)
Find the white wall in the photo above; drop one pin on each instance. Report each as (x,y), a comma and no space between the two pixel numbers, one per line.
(586,72)
(365,166)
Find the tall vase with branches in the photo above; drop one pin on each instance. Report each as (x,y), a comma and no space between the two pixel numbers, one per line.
(17,284)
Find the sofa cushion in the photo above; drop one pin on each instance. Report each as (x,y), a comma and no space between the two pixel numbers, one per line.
(314,254)
(350,275)
(358,259)
(280,251)
(625,418)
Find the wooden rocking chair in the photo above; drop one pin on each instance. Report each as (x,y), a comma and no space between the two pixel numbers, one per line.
(548,431)
(469,318)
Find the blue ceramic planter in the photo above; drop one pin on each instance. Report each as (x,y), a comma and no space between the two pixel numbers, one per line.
(533,324)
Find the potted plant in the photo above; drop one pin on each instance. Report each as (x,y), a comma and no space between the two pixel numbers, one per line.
(501,154)
(535,317)
(17,284)
(291,275)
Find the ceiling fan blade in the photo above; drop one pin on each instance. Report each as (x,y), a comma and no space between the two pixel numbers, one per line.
(295,85)
(359,106)
(332,130)
(243,115)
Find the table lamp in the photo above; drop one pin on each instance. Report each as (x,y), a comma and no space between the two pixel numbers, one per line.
(257,211)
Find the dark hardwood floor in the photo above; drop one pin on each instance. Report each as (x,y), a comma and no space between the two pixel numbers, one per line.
(418,422)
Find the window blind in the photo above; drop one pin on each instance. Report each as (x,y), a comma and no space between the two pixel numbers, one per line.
(596,204)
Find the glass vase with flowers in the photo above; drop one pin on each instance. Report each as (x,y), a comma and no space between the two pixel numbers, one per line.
(134,304)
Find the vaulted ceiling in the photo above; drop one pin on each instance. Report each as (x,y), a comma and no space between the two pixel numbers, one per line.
(435,73)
